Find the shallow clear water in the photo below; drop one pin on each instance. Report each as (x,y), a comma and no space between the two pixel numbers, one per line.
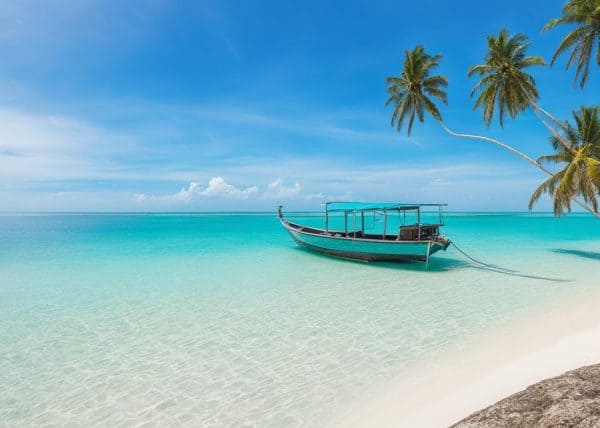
(221,320)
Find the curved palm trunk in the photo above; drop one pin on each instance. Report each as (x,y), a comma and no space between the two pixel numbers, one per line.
(498,143)
(516,152)
(549,116)
(539,111)
(584,206)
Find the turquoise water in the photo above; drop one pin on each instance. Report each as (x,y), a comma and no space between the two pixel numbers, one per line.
(220,320)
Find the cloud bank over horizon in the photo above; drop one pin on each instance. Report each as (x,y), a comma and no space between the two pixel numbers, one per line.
(55,163)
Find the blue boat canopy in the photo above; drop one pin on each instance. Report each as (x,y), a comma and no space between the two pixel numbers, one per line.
(374,206)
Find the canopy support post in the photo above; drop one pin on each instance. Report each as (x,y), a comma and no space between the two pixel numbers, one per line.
(362,223)
(346,223)
(326,220)
(354,227)
(384,222)
(419,224)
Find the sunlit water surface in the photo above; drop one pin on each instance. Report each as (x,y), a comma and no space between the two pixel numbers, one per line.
(220,320)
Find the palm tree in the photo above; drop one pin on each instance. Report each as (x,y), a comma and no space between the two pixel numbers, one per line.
(412,94)
(504,85)
(411,91)
(585,14)
(581,173)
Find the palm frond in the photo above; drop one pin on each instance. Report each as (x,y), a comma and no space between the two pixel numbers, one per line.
(570,39)
(547,186)
(585,15)
(580,174)
(504,87)
(411,92)
(555,158)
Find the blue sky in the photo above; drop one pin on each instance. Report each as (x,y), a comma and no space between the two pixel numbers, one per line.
(144,106)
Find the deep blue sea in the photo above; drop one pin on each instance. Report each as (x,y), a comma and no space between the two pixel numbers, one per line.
(220,320)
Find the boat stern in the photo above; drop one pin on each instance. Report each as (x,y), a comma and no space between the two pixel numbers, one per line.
(440,243)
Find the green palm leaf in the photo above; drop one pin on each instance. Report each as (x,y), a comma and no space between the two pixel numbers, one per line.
(504,87)
(413,90)
(585,14)
(547,186)
(581,172)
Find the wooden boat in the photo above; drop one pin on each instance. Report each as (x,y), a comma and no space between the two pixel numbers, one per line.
(410,242)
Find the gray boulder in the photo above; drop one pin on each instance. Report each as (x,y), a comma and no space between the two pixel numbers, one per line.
(569,400)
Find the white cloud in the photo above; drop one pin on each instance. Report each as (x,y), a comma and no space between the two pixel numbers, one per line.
(220,191)
(314,196)
(187,194)
(217,188)
(321,197)
(277,190)
(43,148)
(142,197)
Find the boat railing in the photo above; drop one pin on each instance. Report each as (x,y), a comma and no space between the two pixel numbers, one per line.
(354,223)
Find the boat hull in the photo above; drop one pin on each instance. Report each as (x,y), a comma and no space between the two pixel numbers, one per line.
(367,250)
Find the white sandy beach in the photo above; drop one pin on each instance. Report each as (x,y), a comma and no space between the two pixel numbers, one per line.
(562,338)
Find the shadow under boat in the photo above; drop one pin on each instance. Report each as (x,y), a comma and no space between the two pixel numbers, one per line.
(444,264)
(439,265)
(592,255)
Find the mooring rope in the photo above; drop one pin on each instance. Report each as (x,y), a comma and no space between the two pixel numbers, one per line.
(475,260)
